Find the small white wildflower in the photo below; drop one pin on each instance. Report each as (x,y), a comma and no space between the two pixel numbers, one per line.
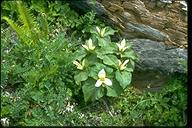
(122,46)
(69,107)
(102,79)
(122,66)
(101,32)
(80,65)
(5,121)
(89,45)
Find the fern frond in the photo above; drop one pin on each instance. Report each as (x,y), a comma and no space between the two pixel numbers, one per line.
(14,25)
(25,15)
(28,20)
(44,26)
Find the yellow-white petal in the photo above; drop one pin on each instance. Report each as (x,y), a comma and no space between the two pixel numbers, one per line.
(119,46)
(76,63)
(102,32)
(98,83)
(123,49)
(123,43)
(125,62)
(98,29)
(120,63)
(90,44)
(101,74)
(122,67)
(85,46)
(80,67)
(83,63)
(108,82)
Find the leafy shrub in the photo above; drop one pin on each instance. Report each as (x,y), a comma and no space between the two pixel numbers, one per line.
(102,62)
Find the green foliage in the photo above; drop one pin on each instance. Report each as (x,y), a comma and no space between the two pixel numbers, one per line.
(165,108)
(29,32)
(37,78)
(98,55)
(41,87)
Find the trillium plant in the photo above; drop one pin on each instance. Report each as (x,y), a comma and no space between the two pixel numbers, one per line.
(103,67)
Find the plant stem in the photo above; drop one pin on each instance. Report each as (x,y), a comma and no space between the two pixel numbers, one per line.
(106,105)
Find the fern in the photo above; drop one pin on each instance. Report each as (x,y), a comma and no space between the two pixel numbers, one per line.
(44,26)
(15,26)
(29,32)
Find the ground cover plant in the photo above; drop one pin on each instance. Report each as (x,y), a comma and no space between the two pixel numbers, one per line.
(59,68)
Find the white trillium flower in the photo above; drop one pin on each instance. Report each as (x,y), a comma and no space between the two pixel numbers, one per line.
(102,79)
(80,66)
(122,46)
(122,66)
(89,45)
(101,32)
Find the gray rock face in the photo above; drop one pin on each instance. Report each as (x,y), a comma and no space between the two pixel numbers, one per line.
(157,56)
(151,33)
(145,31)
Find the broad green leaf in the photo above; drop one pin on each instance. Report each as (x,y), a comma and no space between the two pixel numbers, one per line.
(114,90)
(91,92)
(82,76)
(129,54)
(88,91)
(103,42)
(111,92)
(124,78)
(110,60)
(79,54)
(99,92)
(109,49)
(109,31)
(92,59)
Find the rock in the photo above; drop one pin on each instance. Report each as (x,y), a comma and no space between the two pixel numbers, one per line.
(140,30)
(156,56)
(88,5)
(115,7)
(152,29)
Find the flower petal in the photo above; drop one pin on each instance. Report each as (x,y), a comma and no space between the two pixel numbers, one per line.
(83,63)
(122,67)
(124,48)
(120,63)
(108,82)
(76,63)
(90,43)
(85,46)
(123,43)
(125,62)
(80,67)
(102,32)
(102,74)
(98,83)
(98,29)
